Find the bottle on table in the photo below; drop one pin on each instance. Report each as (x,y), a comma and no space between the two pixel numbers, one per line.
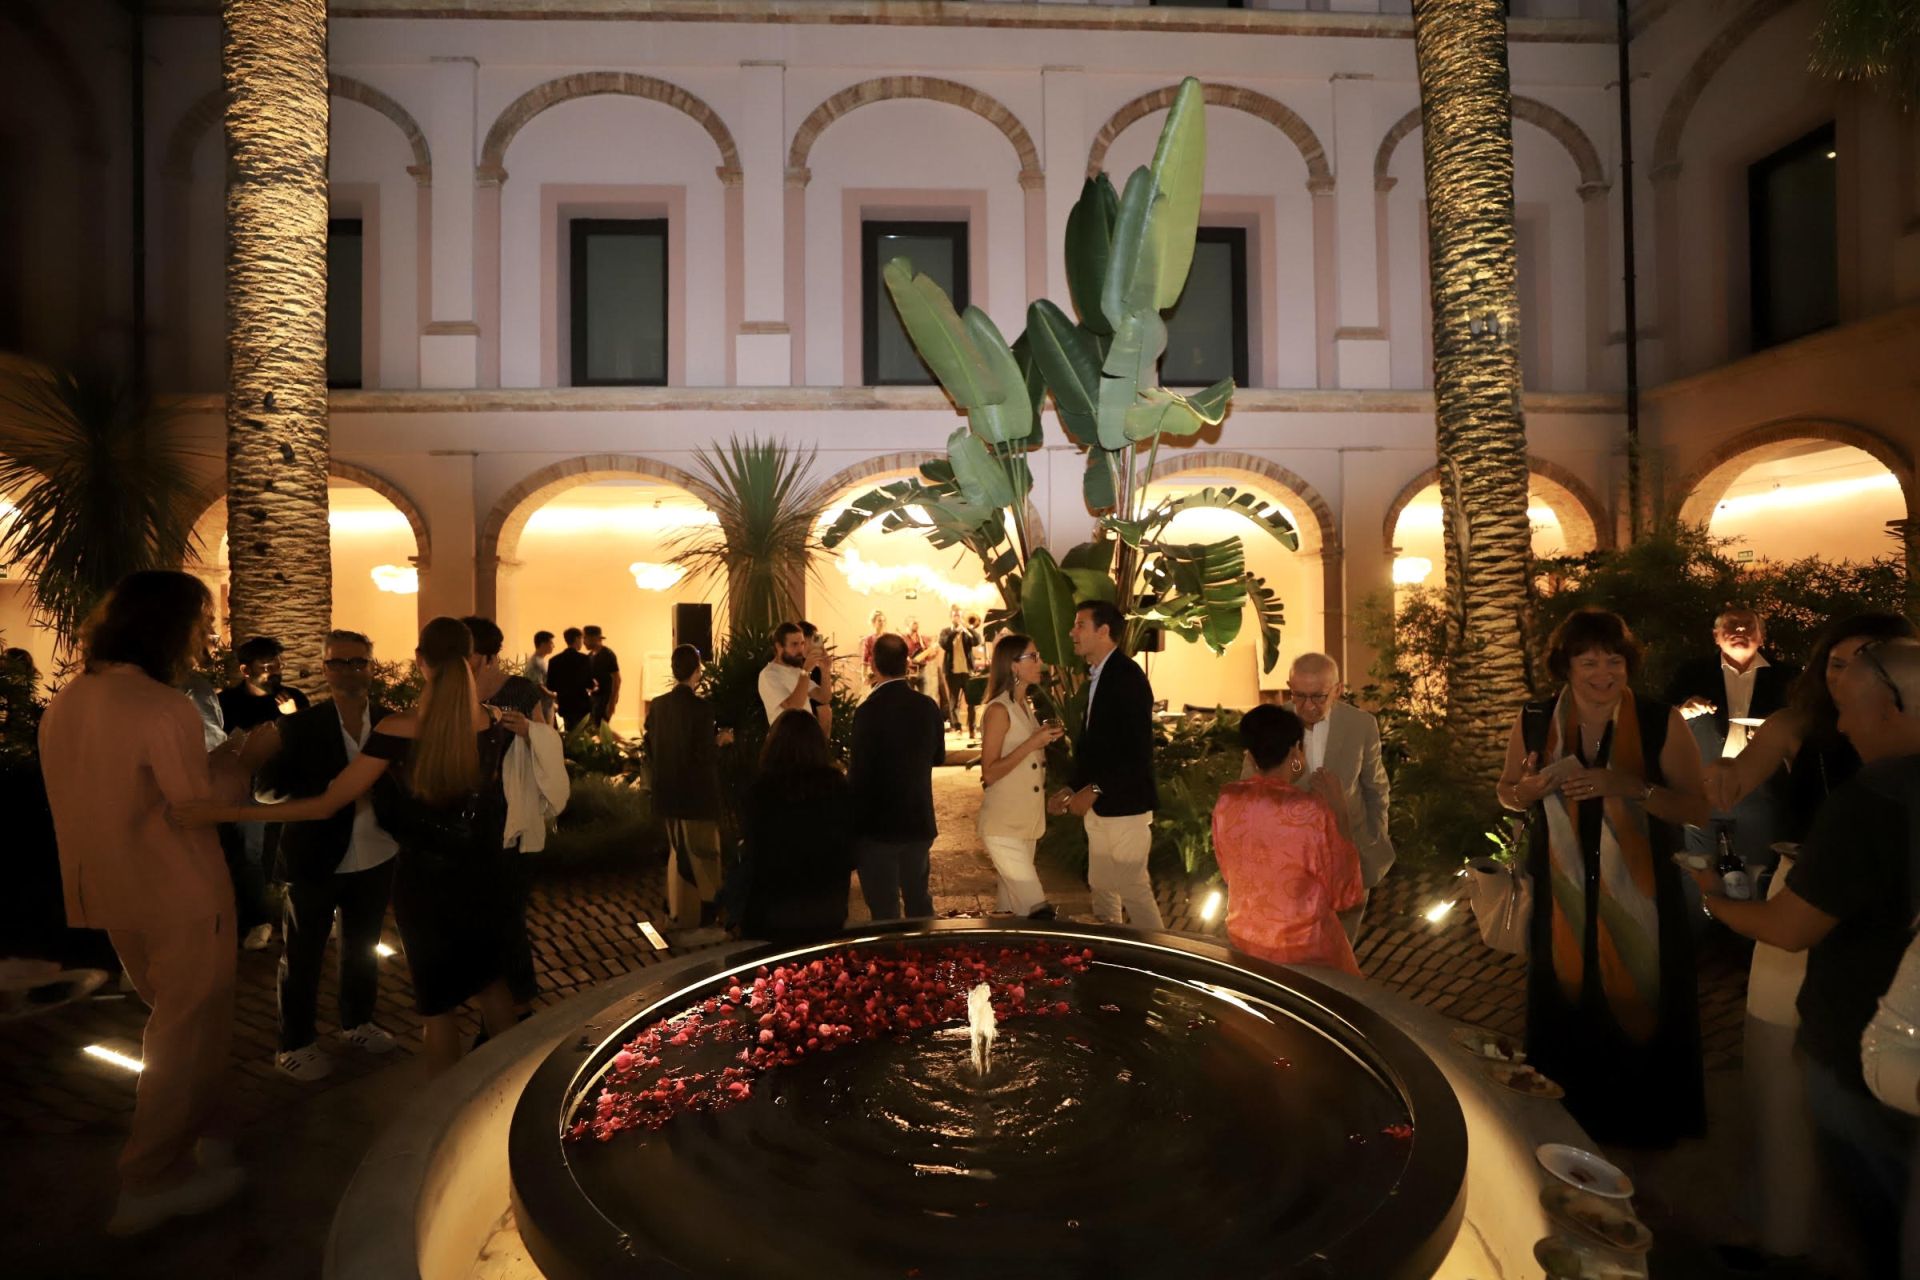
(1734,880)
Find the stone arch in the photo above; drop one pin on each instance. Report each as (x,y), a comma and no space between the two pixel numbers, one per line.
(207,109)
(1571,137)
(587,84)
(356,474)
(1319,534)
(1706,65)
(909,460)
(1272,110)
(1583,516)
(929,88)
(1700,491)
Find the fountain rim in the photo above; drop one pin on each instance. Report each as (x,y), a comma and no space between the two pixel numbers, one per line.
(550,1206)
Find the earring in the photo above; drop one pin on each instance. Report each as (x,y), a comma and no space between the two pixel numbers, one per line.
(1298,765)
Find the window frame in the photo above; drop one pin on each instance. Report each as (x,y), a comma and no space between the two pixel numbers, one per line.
(1760,333)
(872,286)
(578,230)
(336,226)
(1235,237)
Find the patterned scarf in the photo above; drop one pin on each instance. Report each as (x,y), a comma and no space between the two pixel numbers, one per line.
(1629,921)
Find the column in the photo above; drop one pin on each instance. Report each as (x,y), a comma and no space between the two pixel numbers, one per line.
(763,350)
(1361,355)
(450,343)
(443,486)
(1598,280)
(1063,149)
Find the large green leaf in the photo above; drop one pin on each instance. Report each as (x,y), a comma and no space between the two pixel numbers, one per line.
(1199,587)
(1179,173)
(1036,383)
(1096,484)
(1130,365)
(1132,268)
(1011,419)
(1271,615)
(1158,411)
(1091,584)
(1046,609)
(1264,515)
(1089,245)
(941,339)
(1097,554)
(1069,358)
(982,479)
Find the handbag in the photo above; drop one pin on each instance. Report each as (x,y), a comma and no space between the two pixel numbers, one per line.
(1502,899)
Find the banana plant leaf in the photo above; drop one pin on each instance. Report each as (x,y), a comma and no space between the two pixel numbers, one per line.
(1271,616)
(1097,554)
(1089,245)
(983,481)
(1131,364)
(1046,609)
(942,339)
(1199,583)
(954,520)
(1011,419)
(1036,383)
(1179,174)
(1133,272)
(1264,515)
(1096,485)
(1092,584)
(1070,360)
(1158,411)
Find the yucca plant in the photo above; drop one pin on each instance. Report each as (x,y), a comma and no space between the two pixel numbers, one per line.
(766,502)
(99,486)
(1875,41)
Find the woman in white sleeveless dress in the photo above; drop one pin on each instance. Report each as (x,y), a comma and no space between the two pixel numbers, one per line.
(1013,808)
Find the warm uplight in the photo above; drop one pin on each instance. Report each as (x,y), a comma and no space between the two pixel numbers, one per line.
(384,951)
(651,934)
(1807,495)
(625,518)
(401,580)
(115,1057)
(1411,571)
(1439,911)
(655,577)
(868,578)
(1210,909)
(367,520)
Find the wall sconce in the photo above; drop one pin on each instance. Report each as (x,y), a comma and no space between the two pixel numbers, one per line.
(655,577)
(401,580)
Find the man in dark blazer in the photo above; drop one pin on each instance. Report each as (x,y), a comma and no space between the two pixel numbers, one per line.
(899,736)
(343,863)
(1112,787)
(683,757)
(1723,697)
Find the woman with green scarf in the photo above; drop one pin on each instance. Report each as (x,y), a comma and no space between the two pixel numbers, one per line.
(1608,778)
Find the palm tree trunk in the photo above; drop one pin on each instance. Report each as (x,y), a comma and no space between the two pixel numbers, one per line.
(274,55)
(1460,47)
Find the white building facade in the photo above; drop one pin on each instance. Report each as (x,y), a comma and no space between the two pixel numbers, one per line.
(748,150)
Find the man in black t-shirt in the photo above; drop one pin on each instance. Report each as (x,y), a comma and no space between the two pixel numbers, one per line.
(605,665)
(1848,905)
(258,698)
(570,676)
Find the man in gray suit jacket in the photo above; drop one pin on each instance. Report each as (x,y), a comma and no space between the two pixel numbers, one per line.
(1343,765)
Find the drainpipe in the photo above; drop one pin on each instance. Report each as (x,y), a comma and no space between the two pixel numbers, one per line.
(1631,302)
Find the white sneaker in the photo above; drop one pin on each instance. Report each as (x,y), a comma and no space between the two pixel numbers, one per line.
(368,1038)
(207,1189)
(258,937)
(305,1065)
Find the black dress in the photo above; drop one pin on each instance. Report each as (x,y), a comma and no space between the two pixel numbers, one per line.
(799,856)
(449,898)
(1620,1090)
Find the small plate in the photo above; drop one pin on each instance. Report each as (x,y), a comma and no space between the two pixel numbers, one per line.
(1564,1258)
(1521,1078)
(1693,861)
(1581,1168)
(1607,1222)
(1488,1046)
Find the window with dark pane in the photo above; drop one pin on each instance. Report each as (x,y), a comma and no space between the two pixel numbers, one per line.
(345,288)
(1207,328)
(1793,240)
(618,270)
(936,249)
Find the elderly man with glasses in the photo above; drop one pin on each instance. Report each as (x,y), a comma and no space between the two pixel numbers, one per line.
(1343,766)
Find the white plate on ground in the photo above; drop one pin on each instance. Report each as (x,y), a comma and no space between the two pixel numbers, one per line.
(1580,1168)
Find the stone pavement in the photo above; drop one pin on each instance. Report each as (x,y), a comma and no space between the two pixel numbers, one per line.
(62,1114)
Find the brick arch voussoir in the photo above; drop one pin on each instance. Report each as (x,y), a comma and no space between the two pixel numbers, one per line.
(840,482)
(1699,491)
(589,84)
(1556,123)
(500,535)
(926,88)
(1253,103)
(1706,64)
(1583,516)
(1318,536)
(206,111)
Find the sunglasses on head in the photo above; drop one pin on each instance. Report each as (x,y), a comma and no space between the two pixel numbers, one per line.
(1880,670)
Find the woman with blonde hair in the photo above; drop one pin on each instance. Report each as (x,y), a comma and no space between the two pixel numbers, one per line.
(448,813)
(1013,741)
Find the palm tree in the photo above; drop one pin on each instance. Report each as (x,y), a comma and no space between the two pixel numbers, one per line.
(766,503)
(1875,41)
(97,484)
(274,56)
(1466,111)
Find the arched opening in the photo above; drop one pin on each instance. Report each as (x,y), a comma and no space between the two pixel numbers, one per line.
(18,628)
(597,553)
(901,575)
(1192,674)
(377,561)
(1564,523)
(1797,498)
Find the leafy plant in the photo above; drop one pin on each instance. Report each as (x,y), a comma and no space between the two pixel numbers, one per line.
(765,502)
(1876,41)
(607,820)
(1128,256)
(99,487)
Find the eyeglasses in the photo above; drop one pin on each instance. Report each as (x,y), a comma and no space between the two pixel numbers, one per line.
(1029,654)
(1880,670)
(348,664)
(1307,697)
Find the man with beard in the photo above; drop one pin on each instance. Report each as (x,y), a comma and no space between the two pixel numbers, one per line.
(784,685)
(570,676)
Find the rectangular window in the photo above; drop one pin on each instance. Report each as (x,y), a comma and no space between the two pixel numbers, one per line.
(1793,240)
(618,273)
(1207,328)
(345,287)
(936,249)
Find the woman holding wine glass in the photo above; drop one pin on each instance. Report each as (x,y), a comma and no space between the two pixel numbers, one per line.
(1013,741)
